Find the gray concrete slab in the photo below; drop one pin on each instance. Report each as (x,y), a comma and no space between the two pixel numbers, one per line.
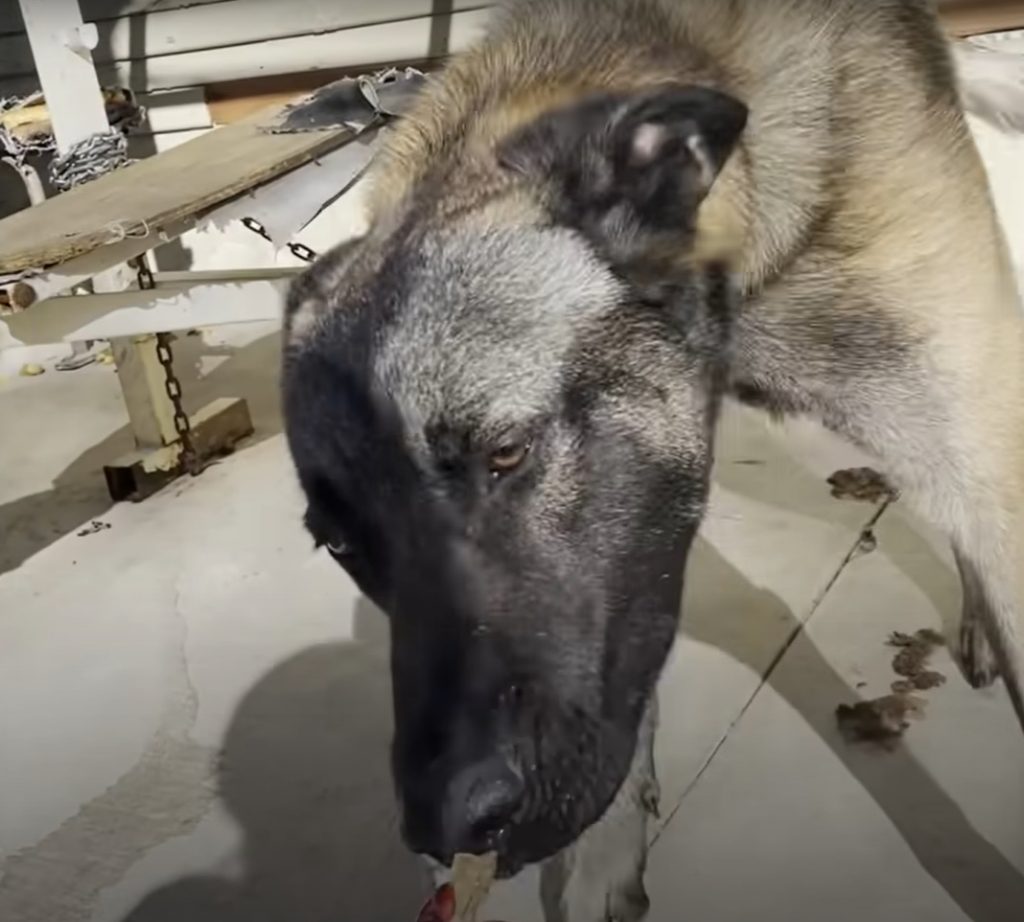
(195,720)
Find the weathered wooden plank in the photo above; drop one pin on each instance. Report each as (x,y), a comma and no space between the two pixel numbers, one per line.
(158,191)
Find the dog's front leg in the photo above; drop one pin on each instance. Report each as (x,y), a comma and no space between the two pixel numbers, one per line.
(601,877)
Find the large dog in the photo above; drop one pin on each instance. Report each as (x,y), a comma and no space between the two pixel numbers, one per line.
(501,400)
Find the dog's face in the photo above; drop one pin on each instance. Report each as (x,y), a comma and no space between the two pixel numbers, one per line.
(503,432)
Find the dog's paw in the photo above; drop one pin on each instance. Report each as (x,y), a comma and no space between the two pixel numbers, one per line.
(650,798)
(628,904)
(975,655)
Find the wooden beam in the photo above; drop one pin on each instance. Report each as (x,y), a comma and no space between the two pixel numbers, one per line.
(150,194)
(977,17)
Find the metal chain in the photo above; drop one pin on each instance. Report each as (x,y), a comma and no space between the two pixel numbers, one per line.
(143,274)
(100,153)
(89,159)
(306,253)
(190,459)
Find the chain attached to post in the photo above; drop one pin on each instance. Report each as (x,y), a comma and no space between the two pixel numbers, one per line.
(143,274)
(305,253)
(190,459)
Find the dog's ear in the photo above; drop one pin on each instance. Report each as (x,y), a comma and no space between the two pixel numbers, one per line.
(624,167)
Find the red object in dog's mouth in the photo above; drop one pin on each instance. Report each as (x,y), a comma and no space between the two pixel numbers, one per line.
(472,876)
(440,907)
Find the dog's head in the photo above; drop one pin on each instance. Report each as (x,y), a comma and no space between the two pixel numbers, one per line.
(503,429)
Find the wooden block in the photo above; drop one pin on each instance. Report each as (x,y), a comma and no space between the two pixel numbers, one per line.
(216,430)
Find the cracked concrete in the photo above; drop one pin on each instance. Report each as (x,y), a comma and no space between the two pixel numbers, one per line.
(195,717)
(164,794)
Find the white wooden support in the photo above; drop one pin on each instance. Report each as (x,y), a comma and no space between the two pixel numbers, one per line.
(61,48)
(180,301)
(141,374)
(75,272)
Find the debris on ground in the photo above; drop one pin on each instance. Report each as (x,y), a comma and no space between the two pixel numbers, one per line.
(461,899)
(926,635)
(923,681)
(863,484)
(31,370)
(93,527)
(78,359)
(914,651)
(881,720)
(884,720)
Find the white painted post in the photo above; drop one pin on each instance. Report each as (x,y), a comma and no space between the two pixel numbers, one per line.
(61,46)
(62,50)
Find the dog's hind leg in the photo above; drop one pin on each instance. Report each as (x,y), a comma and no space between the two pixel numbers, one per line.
(991,559)
(918,358)
(992,630)
(601,877)
(971,646)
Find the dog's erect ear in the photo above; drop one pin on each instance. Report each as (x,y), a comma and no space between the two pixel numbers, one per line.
(623,166)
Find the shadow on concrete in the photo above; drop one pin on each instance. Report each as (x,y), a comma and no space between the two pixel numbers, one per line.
(304,770)
(746,624)
(79,494)
(779,478)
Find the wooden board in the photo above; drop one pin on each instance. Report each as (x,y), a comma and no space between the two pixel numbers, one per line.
(976,17)
(158,191)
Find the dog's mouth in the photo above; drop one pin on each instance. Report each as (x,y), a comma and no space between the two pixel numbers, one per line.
(507,863)
(509,866)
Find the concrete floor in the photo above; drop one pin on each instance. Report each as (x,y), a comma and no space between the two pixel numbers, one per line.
(194,712)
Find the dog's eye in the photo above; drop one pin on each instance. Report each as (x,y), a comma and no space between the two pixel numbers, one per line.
(338,549)
(508,456)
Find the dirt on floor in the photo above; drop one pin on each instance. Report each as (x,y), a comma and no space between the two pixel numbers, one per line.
(863,484)
(884,720)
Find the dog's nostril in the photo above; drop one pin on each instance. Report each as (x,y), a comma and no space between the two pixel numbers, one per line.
(481,800)
(492,803)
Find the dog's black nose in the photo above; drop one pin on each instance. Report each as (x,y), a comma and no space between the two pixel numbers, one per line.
(481,800)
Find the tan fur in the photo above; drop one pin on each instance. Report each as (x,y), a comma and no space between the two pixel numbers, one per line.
(880,295)
(806,188)
(857,180)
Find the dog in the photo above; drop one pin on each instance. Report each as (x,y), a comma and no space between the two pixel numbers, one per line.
(501,400)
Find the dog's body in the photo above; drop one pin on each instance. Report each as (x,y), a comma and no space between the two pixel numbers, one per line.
(877,296)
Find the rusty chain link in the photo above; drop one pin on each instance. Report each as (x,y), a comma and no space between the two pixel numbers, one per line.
(305,253)
(190,459)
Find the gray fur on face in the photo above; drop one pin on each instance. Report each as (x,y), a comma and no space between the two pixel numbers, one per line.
(489,318)
(856,212)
